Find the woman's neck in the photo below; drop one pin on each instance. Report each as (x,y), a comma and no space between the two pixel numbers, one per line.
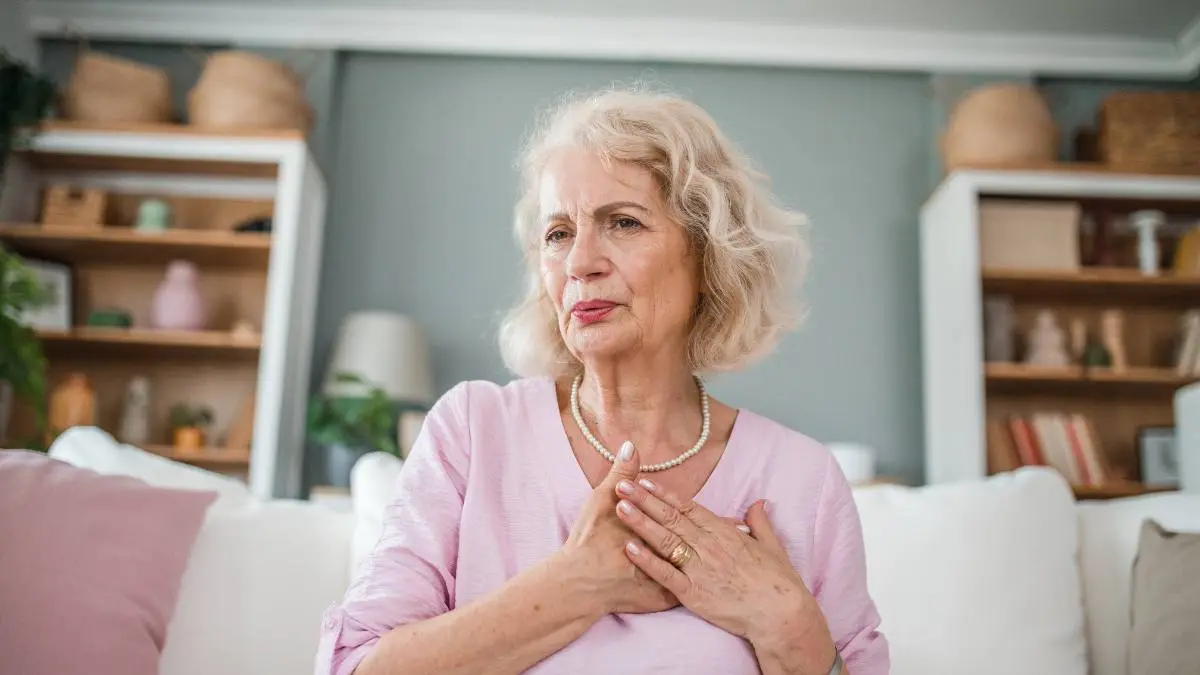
(657,406)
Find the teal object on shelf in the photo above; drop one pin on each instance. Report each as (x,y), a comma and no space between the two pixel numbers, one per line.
(154,215)
(110,318)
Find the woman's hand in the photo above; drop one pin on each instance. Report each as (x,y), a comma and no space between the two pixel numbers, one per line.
(594,550)
(741,582)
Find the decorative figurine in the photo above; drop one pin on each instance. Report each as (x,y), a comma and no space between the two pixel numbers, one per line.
(1047,343)
(1079,339)
(999,322)
(178,304)
(1113,336)
(1147,223)
(135,416)
(154,216)
(243,329)
(72,404)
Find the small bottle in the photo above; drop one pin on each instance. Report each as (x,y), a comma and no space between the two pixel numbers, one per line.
(1147,222)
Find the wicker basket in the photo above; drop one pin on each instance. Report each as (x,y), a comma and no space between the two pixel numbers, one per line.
(69,206)
(105,89)
(1156,129)
(243,90)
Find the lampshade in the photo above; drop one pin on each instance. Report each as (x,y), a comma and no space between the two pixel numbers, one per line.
(386,349)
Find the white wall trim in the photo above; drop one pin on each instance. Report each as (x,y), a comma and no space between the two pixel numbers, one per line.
(679,40)
(1189,46)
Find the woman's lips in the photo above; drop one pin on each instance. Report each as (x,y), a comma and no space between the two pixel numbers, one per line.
(591,311)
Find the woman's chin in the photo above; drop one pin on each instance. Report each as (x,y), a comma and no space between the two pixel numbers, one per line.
(598,342)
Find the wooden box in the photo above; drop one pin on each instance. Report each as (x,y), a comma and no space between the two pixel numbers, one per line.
(1029,234)
(69,206)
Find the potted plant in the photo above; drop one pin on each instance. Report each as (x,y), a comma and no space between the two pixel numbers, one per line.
(22,363)
(26,98)
(189,426)
(344,429)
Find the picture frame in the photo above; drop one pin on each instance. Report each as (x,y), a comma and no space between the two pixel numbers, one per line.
(56,316)
(1158,456)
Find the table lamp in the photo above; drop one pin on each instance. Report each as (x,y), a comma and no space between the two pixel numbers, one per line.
(388,350)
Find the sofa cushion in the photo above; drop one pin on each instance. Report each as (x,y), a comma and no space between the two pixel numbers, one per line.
(1109,532)
(260,576)
(1165,616)
(373,483)
(93,448)
(90,566)
(977,577)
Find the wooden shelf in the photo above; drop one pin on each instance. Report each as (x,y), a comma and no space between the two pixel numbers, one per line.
(140,341)
(1116,490)
(210,457)
(126,245)
(1085,168)
(71,126)
(1102,284)
(1133,376)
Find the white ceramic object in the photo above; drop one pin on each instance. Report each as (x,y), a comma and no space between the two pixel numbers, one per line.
(857,461)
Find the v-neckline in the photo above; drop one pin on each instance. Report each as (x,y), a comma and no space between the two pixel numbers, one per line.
(576,487)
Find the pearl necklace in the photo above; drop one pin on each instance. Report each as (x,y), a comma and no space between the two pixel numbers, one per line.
(587,433)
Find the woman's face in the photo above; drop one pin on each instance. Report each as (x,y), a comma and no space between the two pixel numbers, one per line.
(616,267)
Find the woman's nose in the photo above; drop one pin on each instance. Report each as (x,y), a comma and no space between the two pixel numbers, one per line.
(587,259)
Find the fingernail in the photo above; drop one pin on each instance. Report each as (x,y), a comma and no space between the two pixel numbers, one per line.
(648,484)
(625,507)
(626,453)
(633,548)
(625,487)
(743,528)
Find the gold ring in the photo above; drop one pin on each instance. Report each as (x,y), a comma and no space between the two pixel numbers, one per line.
(680,555)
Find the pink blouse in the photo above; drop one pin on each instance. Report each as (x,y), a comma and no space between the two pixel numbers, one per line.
(492,487)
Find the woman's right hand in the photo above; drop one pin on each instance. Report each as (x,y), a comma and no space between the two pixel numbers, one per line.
(595,549)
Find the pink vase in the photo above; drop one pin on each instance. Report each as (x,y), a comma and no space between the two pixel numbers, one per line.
(177,301)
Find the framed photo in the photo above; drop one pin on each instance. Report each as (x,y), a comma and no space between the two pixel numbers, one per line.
(61,278)
(1158,456)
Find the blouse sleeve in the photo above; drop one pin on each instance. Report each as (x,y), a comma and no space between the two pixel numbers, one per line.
(840,585)
(409,575)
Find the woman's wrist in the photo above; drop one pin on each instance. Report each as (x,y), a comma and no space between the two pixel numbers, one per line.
(793,639)
(574,586)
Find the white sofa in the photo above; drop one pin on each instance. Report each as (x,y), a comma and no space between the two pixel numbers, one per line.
(1005,576)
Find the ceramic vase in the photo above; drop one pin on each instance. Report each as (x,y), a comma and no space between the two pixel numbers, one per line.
(178,304)
(135,416)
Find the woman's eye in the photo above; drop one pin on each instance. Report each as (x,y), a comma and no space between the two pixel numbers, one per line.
(627,223)
(555,236)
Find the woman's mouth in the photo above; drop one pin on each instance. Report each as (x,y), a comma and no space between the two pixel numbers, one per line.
(591,311)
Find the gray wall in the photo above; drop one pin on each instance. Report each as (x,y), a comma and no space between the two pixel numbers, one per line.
(419,152)
(424,188)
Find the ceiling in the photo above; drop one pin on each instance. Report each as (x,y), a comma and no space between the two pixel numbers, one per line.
(1160,19)
(1123,38)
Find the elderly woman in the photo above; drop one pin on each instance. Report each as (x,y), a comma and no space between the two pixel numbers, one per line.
(603,513)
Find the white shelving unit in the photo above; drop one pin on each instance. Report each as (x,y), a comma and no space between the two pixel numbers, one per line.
(270,277)
(957,382)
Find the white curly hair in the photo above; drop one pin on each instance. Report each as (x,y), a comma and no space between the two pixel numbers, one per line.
(752,251)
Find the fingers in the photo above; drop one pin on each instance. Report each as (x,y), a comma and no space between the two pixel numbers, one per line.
(626,466)
(659,570)
(686,507)
(760,526)
(659,537)
(740,525)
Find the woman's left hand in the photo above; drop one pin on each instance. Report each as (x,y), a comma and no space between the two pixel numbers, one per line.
(742,582)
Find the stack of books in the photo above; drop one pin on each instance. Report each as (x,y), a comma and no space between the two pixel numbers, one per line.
(1066,442)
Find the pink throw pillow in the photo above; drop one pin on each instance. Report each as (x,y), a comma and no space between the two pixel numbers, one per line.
(90,566)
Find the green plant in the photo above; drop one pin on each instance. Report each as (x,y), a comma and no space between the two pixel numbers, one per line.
(183,416)
(22,363)
(355,422)
(26,98)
